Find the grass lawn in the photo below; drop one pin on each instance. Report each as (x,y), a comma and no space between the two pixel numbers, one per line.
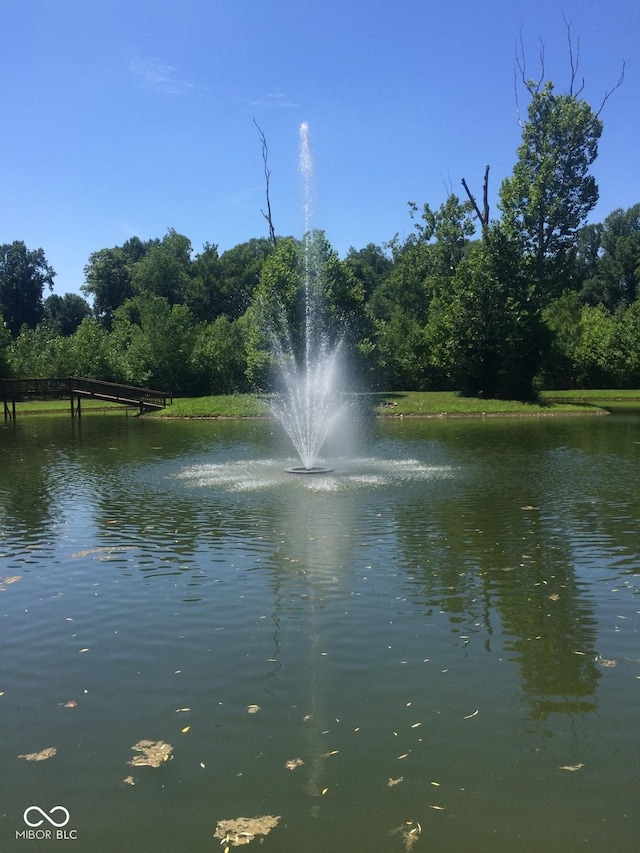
(388,404)
(382,404)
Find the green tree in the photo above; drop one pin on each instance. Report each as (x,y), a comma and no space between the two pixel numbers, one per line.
(218,357)
(484,332)
(615,274)
(5,341)
(550,193)
(23,276)
(39,353)
(596,354)
(240,269)
(108,276)
(562,319)
(399,308)
(154,342)
(165,270)
(370,266)
(65,313)
(203,289)
(627,345)
(90,352)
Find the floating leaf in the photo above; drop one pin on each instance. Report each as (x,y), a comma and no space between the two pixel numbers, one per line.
(324,791)
(49,752)
(393,782)
(153,753)
(437,808)
(468,717)
(404,755)
(571,767)
(70,704)
(185,730)
(253,709)
(243,830)
(327,754)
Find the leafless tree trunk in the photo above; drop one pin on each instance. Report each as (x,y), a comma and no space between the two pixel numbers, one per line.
(267,178)
(483,215)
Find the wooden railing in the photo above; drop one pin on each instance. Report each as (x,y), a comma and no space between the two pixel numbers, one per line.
(12,390)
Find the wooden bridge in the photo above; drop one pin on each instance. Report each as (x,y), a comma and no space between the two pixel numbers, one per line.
(13,390)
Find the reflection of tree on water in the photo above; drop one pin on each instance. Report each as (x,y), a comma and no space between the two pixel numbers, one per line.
(480,558)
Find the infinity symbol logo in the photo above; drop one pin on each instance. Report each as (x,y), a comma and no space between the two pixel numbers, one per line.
(46,816)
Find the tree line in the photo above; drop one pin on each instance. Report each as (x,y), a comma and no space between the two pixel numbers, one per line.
(534,298)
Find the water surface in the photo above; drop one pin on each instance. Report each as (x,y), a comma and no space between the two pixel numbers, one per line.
(442,635)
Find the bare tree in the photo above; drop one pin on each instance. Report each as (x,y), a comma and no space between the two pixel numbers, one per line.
(267,178)
(483,215)
(576,84)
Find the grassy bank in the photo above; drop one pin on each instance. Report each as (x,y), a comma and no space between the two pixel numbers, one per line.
(396,404)
(388,404)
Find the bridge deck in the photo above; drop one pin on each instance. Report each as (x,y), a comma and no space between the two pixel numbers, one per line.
(76,388)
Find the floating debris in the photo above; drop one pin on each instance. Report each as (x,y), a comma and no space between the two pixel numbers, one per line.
(242,830)
(70,704)
(5,582)
(605,661)
(129,780)
(49,752)
(153,753)
(410,832)
(393,782)
(253,709)
(293,763)
(571,767)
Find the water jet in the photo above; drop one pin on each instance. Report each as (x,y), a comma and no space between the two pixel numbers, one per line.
(308,405)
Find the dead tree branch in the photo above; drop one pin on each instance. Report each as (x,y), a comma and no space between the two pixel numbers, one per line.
(483,215)
(267,178)
(610,92)
(574,62)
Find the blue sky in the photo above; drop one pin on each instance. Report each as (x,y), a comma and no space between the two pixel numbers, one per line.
(130,117)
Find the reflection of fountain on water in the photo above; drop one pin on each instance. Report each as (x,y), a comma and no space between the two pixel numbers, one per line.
(309,406)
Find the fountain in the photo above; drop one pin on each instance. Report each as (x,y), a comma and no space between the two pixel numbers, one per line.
(308,405)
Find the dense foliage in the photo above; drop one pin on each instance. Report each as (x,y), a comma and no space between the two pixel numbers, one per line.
(536,298)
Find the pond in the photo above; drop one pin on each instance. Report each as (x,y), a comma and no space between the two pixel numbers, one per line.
(434,647)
